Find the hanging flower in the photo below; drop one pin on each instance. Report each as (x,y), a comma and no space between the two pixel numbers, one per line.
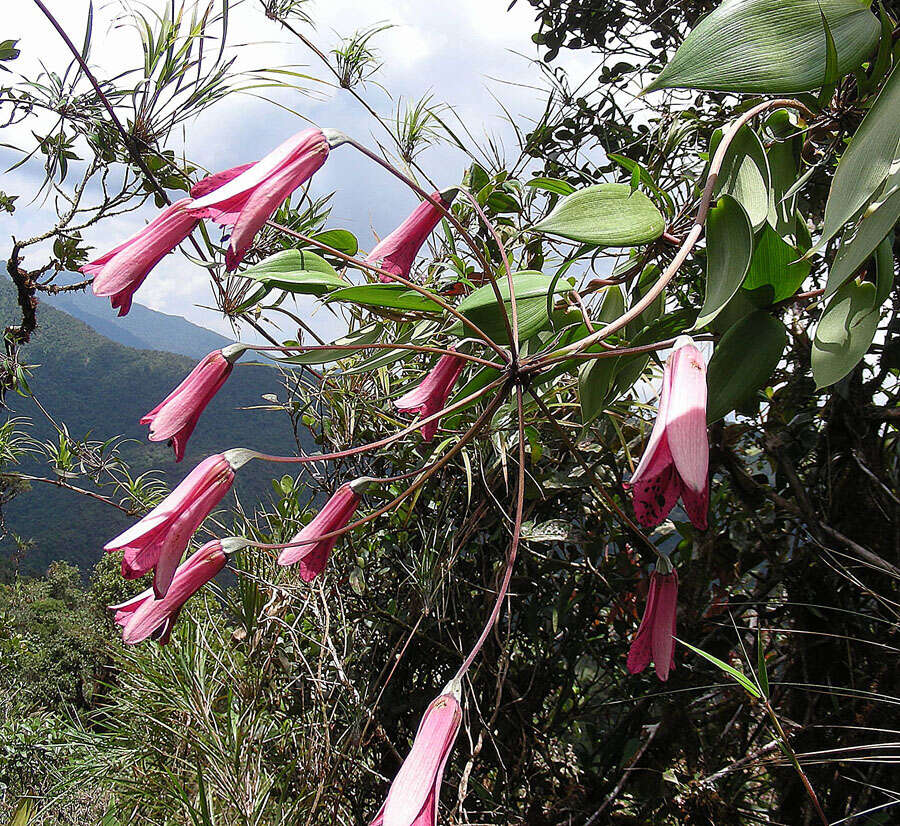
(247,200)
(676,460)
(313,553)
(159,539)
(431,395)
(655,638)
(176,416)
(146,616)
(397,252)
(413,797)
(122,270)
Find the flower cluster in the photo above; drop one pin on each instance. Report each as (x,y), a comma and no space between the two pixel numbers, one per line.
(674,464)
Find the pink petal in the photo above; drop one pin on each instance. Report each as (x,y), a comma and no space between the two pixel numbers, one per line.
(640,650)
(685,417)
(413,792)
(664,618)
(213,182)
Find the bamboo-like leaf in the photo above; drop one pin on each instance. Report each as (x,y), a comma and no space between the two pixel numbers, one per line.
(610,215)
(366,335)
(762,675)
(742,362)
(729,248)
(867,162)
(845,332)
(770,46)
(745,682)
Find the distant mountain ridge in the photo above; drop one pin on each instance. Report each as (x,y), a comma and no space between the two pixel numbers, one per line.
(142,328)
(100,387)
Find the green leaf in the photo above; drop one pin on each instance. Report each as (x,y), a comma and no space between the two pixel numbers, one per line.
(867,161)
(482,378)
(366,335)
(762,675)
(855,250)
(770,46)
(553,185)
(745,174)
(832,73)
(386,296)
(845,332)
(784,159)
(776,269)
(340,239)
(531,289)
(729,248)
(296,271)
(742,362)
(610,215)
(646,178)
(8,50)
(732,672)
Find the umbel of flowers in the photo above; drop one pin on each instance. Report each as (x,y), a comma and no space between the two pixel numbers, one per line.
(674,464)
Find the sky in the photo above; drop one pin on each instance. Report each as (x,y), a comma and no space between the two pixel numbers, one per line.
(466,53)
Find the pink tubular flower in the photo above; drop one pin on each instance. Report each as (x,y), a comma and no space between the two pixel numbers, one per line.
(655,638)
(676,460)
(144,616)
(247,200)
(160,538)
(313,554)
(122,270)
(397,251)
(413,797)
(431,395)
(176,416)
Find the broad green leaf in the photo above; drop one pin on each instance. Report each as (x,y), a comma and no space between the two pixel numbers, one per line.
(296,271)
(745,175)
(340,239)
(784,159)
(729,248)
(884,269)
(856,249)
(610,215)
(386,296)
(742,362)
(776,269)
(845,332)
(613,305)
(745,682)
(867,161)
(553,185)
(531,290)
(770,46)
(366,335)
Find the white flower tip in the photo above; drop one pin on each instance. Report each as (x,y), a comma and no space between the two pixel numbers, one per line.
(360,485)
(237,457)
(233,352)
(233,543)
(682,341)
(334,137)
